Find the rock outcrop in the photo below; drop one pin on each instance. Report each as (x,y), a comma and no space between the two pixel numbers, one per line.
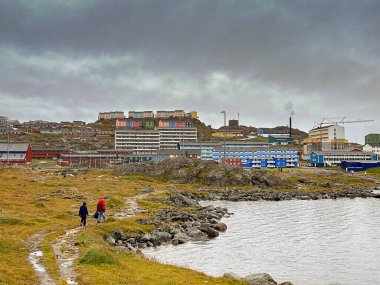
(188,220)
(183,170)
(260,279)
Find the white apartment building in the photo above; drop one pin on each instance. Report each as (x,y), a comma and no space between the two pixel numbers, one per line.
(330,158)
(170,137)
(139,141)
(327,133)
(149,141)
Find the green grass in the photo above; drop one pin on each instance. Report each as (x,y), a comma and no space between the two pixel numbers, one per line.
(11,221)
(98,256)
(375,172)
(115,202)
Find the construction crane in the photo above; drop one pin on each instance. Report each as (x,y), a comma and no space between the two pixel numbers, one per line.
(337,120)
(316,135)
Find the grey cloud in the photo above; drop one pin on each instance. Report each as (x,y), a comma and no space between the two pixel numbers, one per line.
(323,56)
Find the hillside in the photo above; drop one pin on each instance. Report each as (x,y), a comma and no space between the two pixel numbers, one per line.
(86,142)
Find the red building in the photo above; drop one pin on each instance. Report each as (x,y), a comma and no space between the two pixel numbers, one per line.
(15,153)
(232,161)
(44,153)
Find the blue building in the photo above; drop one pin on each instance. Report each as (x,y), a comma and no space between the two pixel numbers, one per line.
(51,132)
(359,165)
(258,157)
(331,158)
(205,148)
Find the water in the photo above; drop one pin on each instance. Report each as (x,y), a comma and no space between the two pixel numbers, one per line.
(305,242)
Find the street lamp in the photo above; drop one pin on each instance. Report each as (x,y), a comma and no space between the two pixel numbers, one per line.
(224,136)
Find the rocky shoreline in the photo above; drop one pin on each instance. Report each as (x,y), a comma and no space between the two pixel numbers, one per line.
(187,220)
(280,195)
(175,225)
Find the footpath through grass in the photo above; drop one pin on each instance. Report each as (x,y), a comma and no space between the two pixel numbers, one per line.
(47,201)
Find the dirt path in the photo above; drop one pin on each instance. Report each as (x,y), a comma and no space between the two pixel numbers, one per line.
(35,258)
(132,208)
(66,253)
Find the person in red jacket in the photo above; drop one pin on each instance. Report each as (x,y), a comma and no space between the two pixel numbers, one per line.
(101,208)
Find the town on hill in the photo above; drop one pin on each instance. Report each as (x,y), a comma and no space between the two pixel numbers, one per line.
(119,138)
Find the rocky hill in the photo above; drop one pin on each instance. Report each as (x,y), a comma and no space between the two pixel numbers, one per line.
(183,170)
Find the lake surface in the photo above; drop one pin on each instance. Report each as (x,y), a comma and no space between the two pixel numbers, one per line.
(306,242)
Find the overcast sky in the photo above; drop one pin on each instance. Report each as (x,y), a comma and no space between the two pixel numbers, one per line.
(69,60)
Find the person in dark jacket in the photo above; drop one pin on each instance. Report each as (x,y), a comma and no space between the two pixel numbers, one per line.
(83,213)
(101,208)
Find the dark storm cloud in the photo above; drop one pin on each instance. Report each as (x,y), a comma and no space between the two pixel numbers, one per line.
(251,57)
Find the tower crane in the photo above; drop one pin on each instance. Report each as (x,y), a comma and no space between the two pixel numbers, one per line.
(317,130)
(337,120)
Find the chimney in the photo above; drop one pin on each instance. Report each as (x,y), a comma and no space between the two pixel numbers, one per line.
(290,126)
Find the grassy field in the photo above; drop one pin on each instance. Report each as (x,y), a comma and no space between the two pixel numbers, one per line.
(375,172)
(46,201)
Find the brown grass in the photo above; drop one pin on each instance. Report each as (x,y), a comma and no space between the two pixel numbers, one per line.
(35,200)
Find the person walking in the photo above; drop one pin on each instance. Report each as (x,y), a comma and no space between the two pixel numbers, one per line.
(83,213)
(101,208)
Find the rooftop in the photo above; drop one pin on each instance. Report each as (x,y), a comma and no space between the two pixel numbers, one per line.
(14,147)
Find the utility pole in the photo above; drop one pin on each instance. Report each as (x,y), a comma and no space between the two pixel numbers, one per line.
(183,142)
(200,140)
(8,144)
(224,136)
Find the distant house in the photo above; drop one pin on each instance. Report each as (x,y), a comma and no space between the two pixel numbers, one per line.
(111,115)
(50,131)
(374,148)
(15,153)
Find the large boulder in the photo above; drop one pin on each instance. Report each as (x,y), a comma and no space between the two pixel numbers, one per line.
(211,233)
(260,279)
(231,275)
(305,180)
(180,238)
(147,189)
(196,234)
(219,227)
(180,200)
(162,236)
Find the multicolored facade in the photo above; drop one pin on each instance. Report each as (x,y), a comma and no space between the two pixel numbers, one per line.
(162,114)
(111,115)
(135,124)
(174,124)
